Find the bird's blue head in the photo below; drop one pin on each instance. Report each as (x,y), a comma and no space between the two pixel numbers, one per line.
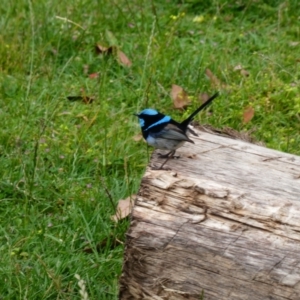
(150,118)
(152,121)
(147,115)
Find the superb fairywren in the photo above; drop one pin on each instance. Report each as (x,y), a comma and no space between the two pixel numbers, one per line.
(162,132)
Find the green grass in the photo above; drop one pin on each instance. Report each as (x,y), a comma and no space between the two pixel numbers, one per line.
(58,158)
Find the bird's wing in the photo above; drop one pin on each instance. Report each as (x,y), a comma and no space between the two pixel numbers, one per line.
(172,132)
(192,131)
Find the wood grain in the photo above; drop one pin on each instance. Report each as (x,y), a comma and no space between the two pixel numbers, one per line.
(225,220)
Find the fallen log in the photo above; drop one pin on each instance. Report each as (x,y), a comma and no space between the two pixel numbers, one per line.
(223,223)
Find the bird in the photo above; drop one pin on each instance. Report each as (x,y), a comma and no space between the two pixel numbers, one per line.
(164,133)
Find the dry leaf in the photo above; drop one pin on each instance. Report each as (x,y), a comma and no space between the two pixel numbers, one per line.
(180,97)
(203,97)
(238,68)
(100,49)
(123,59)
(248,114)
(216,83)
(214,80)
(124,208)
(137,137)
(245,73)
(242,70)
(94,75)
(121,56)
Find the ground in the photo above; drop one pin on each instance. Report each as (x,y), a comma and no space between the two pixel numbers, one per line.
(69,144)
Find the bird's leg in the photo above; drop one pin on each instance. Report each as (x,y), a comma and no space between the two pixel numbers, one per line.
(165,155)
(161,167)
(168,155)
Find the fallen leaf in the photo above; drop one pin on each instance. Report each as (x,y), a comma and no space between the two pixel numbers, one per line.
(121,56)
(123,59)
(94,75)
(179,96)
(203,97)
(248,114)
(214,79)
(124,208)
(137,137)
(100,49)
(245,73)
(242,70)
(238,68)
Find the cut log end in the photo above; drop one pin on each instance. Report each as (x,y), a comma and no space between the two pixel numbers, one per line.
(223,223)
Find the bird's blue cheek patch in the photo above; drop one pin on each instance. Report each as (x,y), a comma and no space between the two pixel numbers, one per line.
(142,122)
(165,119)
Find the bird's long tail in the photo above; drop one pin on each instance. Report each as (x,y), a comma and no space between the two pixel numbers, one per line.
(186,122)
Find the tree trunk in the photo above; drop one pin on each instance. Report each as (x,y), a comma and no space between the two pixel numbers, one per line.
(223,223)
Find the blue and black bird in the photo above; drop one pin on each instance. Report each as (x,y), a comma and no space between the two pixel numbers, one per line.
(162,132)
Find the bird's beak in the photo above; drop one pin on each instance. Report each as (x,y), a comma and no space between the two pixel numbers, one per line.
(136,115)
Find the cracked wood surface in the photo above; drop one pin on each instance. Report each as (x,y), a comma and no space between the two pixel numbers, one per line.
(224,220)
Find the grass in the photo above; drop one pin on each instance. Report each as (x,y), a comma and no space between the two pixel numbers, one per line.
(61,162)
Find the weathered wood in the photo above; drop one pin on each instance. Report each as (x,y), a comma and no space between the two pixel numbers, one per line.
(225,220)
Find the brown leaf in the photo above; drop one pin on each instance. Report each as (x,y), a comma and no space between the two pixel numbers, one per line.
(242,70)
(203,97)
(245,73)
(121,56)
(137,137)
(94,75)
(123,59)
(238,67)
(100,49)
(248,114)
(214,79)
(180,98)
(124,208)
